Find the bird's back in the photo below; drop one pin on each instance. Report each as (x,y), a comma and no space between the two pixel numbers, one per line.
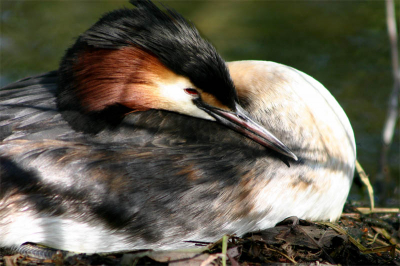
(145,184)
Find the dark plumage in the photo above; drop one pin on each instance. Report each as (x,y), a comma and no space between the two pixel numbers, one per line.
(70,173)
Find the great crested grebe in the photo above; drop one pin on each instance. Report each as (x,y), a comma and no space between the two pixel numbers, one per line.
(144,140)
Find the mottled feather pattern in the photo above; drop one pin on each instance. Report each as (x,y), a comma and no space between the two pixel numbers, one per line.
(28,110)
(110,171)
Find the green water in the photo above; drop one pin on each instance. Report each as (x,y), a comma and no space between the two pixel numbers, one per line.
(343,44)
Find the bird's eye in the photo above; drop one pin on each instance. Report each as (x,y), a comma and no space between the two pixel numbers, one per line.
(192,92)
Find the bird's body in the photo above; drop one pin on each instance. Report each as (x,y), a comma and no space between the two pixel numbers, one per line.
(155,178)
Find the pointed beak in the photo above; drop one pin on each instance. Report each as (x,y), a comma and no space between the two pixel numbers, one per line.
(241,122)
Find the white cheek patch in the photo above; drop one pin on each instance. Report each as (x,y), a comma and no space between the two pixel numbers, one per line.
(174,98)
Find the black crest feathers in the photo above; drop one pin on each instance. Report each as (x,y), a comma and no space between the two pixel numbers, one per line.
(166,35)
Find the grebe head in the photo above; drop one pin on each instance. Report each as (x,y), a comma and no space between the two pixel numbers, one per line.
(143,58)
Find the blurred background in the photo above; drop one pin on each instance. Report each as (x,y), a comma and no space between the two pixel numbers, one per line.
(343,44)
